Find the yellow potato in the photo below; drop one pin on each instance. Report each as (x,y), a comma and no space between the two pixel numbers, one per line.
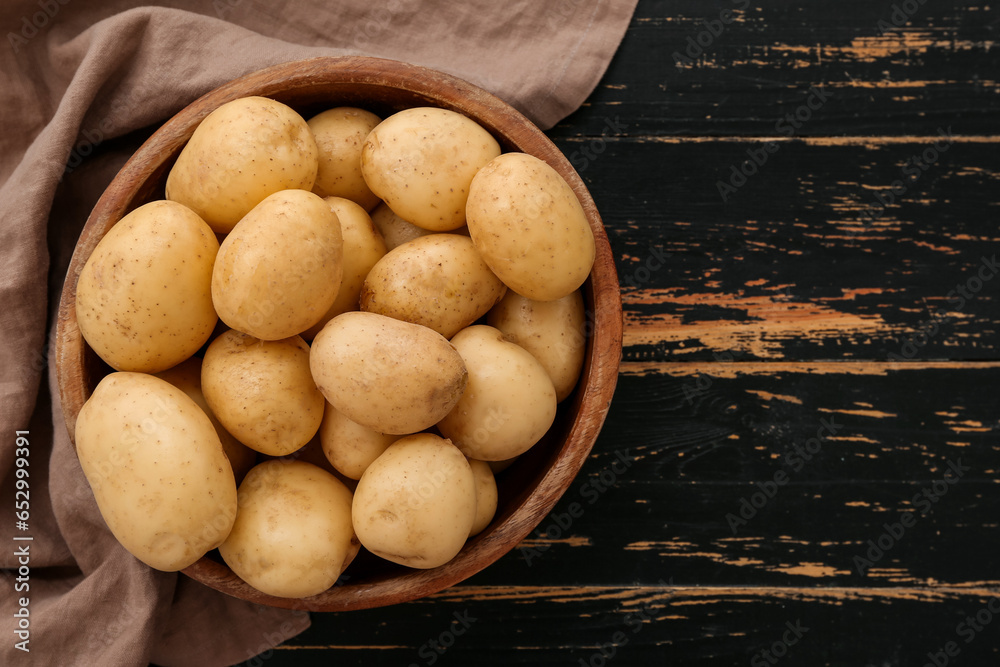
(530,228)
(416,503)
(421,161)
(262,391)
(157,469)
(553,331)
(486,495)
(363,247)
(389,375)
(293,534)
(144,299)
(350,447)
(394,230)
(279,270)
(439,281)
(340,133)
(509,402)
(242,152)
(186,376)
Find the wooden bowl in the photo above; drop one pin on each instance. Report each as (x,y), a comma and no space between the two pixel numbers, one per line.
(528,489)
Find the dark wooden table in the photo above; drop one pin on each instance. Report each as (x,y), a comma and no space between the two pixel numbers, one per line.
(802,460)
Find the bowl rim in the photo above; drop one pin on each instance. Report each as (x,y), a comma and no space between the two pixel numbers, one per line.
(592,397)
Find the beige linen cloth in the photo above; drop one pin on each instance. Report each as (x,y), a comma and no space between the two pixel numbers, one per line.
(82,84)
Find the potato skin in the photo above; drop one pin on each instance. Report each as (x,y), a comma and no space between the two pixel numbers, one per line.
(340,134)
(157,468)
(509,402)
(439,281)
(391,376)
(280,269)
(553,331)
(363,248)
(262,391)
(293,535)
(348,446)
(186,376)
(529,226)
(394,230)
(416,503)
(420,161)
(486,495)
(239,154)
(143,299)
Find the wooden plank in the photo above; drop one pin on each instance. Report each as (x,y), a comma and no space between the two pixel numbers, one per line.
(654,625)
(821,271)
(667,494)
(939,67)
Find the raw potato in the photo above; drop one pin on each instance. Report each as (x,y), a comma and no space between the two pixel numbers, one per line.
(416,503)
(157,469)
(350,447)
(529,226)
(394,230)
(509,402)
(421,161)
(262,391)
(340,133)
(279,270)
(439,281)
(186,376)
(391,376)
(363,247)
(242,152)
(486,495)
(293,534)
(144,299)
(553,331)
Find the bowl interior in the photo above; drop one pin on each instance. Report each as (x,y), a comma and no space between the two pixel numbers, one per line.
(530,487)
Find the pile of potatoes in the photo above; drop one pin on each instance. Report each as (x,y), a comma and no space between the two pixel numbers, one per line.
(330,334)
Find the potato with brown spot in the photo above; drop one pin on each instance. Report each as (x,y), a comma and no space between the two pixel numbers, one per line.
(529,226)
(262,391)
(391,376)
(416,503)
(439,281)
(420,161)
(240,154)
(293,536)
(144,297)
(158,471)
(509,402)
(280,269)
(340,135)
